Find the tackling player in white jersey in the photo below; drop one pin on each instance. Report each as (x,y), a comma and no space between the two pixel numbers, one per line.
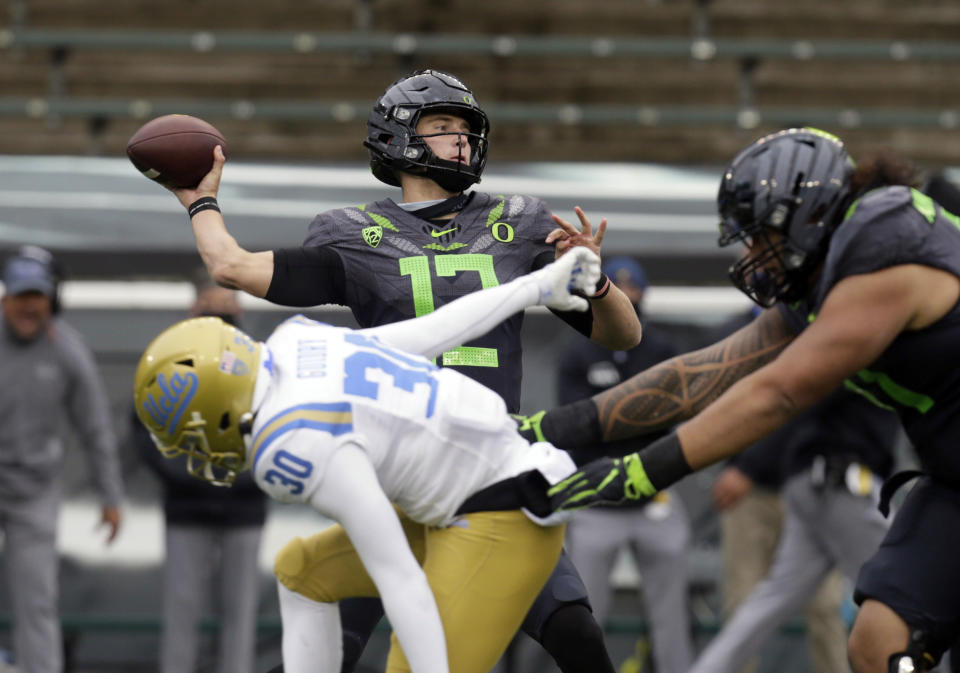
(415,462)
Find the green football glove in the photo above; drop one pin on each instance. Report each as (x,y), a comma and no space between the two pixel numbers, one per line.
(529,426)
(606,481)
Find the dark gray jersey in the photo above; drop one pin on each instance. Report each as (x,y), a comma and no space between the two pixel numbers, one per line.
(919,373)
(398,266)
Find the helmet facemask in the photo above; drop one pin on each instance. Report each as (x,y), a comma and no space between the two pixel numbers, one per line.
(220,468)
(772,269)
(761,274)
(453,176)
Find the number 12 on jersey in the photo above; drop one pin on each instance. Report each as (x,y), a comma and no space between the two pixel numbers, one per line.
(418,268)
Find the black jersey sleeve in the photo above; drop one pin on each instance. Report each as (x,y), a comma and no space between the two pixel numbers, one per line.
(582,321)
(307,276)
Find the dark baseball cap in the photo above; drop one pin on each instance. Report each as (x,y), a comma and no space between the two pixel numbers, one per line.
(622,269)
(27,274)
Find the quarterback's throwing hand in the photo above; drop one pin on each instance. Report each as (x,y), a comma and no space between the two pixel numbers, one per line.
(209,185)
(577,270)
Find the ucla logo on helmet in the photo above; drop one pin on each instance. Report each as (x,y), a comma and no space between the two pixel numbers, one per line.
(175,394)
(372,235)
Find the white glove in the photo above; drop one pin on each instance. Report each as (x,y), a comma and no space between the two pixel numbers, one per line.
(578,269)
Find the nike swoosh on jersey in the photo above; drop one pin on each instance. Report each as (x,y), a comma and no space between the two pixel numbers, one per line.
(438,234)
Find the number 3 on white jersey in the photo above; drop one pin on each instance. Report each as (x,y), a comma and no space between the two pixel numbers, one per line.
(373,364)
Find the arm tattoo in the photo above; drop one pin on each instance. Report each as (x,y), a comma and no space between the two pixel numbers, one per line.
(678,389)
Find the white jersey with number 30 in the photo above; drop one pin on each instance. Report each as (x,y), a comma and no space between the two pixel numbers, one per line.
(433,435)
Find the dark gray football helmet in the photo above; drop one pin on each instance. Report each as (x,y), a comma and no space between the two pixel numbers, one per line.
(784,196)
(395,145)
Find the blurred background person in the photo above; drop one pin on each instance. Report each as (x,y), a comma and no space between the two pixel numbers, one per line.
(746,495)
(212,539)
(747,498)
(831,460)
(656,533)
(48,381)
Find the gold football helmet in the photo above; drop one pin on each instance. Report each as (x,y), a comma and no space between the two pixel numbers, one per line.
(193,391)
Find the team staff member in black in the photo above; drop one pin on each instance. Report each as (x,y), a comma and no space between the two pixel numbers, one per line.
(861,274)
(391,260)
(655,533)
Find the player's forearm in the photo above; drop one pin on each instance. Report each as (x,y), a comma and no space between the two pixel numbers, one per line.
(412,611)
(749,410)
(678,389)
(615,322)
(218,249)
(229,264)
(653,400)
(462,320)
(350,493)
(666,394)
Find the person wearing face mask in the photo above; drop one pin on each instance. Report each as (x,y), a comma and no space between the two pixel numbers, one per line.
(49,381)
(211,537)
(656,532)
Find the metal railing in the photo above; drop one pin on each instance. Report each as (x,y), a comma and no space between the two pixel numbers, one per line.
(547,113)
(748,53)
(409,44)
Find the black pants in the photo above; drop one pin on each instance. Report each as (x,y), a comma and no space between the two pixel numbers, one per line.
(914,572)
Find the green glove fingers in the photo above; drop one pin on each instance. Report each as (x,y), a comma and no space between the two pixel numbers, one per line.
(607,481)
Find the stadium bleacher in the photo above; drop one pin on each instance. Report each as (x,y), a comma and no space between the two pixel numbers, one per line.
(684,82)
(620,80)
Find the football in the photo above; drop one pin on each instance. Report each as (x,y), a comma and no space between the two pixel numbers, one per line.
(175,150)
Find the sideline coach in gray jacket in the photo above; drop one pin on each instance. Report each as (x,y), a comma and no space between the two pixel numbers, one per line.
(48,381)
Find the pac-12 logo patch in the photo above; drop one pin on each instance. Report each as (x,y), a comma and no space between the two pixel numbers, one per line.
(372,235)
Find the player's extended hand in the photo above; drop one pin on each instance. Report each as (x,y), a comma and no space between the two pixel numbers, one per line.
(208,186)
(567,236)
(110,517)
(730,486)
(606,481)
(579,270)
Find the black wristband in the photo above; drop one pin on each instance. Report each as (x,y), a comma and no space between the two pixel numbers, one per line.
(602,288)
(572,426)
(201,204)
(664,462)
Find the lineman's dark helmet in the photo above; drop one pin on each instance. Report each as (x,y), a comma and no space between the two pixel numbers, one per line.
(393,141)
(785,196)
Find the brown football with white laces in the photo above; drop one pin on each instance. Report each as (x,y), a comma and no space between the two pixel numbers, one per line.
(175,150)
